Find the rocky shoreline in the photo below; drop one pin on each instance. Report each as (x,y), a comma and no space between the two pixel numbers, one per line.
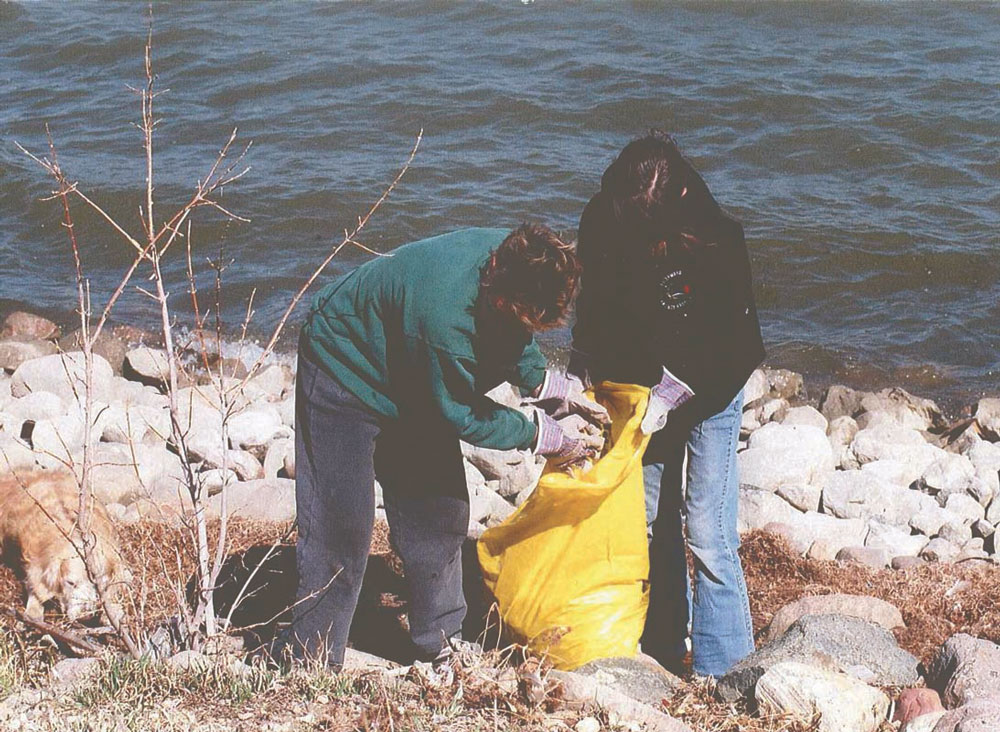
(883,479)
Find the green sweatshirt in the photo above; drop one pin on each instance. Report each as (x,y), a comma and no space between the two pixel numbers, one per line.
(404,334)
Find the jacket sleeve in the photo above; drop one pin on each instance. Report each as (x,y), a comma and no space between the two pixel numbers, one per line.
(592,331)
(530,371)
(476,418)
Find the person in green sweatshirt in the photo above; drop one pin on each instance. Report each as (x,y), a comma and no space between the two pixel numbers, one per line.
(394,363)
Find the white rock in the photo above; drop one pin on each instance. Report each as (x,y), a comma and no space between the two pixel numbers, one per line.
(748,422)
(759,508)
(150,365)
(981,490)
(939,550)
(63,374)
(906,409)
(857,494)
(771,410)
(274,380)
(836,533)
(35,406)
(255,427)
(246,466)
(895,541)
(15,455)
(948,474)
(135,423)
(57,441)
(880,441)
(808,416)
(892,471)
(988,416)
(804,497)
(485,506)
(264,500)
(473,478)
(756,387)
(964,506)
(286,408)
(955,531)
(843,703)
(214,480)
(929,520)
(122,472)
(588,724)
(784,455)
(277,452)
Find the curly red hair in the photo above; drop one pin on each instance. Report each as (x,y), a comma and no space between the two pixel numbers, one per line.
(533,275)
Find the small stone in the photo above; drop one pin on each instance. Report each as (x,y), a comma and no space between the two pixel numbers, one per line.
(869,556)
(871,609)
(73,670)
(771,410)
(188,661)
(955,532)
(588,724)
(147,366)
(893,471)
(823,550)
(939,550)
(906,409)
(980,715)
(983,529)
(903,563)
(843,704)
(277,453)
(916,702)
(19,324)
(929,520)
(255,427)
(893,540)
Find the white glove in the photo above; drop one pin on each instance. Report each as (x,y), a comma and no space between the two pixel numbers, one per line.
(666,396)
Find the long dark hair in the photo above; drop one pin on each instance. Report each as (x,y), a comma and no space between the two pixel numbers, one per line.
(657,199)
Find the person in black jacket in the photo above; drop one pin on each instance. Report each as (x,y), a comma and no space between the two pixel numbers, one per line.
(667,302)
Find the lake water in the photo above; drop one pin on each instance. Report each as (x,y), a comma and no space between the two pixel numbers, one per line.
(858,142)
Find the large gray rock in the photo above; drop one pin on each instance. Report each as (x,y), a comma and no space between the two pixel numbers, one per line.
(274,380)
(929,520)
(515,469)
(278,452)
(871,609)
(940,549)
(58,441)
(842,703)
(63,374)
(246,466)
(840,401)
(858,494)
(14,352)
(785,384)
(965,669)
(123,472)
(834,642)
(641,679)
(756,387)
(980,715)
(868,556)
(262,500)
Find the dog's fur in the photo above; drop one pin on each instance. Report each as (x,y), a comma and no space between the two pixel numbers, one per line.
(38,516)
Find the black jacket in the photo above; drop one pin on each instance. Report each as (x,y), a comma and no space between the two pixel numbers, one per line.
(690,310)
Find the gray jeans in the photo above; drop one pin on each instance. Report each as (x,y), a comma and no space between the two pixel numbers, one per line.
(340,448)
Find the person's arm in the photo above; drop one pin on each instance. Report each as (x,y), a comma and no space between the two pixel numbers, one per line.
(476,418)
(530,370)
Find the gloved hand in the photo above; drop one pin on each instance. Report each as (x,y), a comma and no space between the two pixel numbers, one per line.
(561,395)
(578,428)
(562,450)
(666,396)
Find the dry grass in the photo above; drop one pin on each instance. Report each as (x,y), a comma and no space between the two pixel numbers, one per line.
(936,600)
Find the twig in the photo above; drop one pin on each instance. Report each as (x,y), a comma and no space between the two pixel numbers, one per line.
(67,637)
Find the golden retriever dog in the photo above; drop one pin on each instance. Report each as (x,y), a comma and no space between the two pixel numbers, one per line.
(38,527)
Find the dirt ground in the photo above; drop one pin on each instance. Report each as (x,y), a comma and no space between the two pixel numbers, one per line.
(936,600)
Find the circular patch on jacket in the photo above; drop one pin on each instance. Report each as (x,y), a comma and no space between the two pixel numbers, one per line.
(675,291)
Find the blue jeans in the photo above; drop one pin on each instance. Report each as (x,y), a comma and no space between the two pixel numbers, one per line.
(718,609)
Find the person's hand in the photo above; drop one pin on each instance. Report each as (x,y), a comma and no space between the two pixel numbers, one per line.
(666,396)
(561,395)
(578,428)
(561,449)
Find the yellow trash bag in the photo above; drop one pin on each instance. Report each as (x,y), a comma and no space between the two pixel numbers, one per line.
(569,569)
